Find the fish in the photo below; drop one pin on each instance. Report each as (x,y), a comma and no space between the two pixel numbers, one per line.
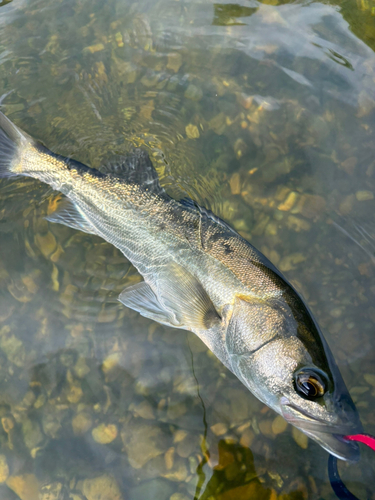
(200,275)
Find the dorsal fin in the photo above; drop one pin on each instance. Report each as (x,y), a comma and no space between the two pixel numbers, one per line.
(135,168)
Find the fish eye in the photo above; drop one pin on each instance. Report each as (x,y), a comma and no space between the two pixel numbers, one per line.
(310,384)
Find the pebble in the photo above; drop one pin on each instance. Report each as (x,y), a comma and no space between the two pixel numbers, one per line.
(186,447)
(51,491)
(370,378)
(7,423)
(179,472)
(144,410)
(107,314)
(279,425)
(179,435)
(297,224)
(193,92)
(104,434)
(156,489)
(291,261)
(101,488)
(289,202)
(92,49)
(265,427)
(142,442)
(192,131)
(25,486)
(271,229)
(235,183)
(244,100)
(346,206)
(274,257)
(219,429)
(19,291)
(349,165)
(46,243)
(81,369)
(261,225)
(74,394)
(300,438)
(310,206)
(364,195)
(111,362)
(168,458)
(240,225)
(247,438)
(336,312)
(176,410)
(240,147)
(174,61)
(4,469)
(179,496)
(218,123)
(81,423)
(32,434)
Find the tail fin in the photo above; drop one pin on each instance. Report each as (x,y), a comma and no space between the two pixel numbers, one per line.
(12,140)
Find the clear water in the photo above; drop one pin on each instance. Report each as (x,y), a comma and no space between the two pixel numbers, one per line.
(263,111)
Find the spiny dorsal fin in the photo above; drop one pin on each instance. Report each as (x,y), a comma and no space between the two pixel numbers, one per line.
(135,168)
(205,213)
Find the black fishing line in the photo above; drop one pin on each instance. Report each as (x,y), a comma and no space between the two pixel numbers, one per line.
(199,470)
(341,491)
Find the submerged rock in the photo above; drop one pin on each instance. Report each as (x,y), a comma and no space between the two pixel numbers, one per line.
(101,488)
(142,442)
(81,423)
(156,489)
(174,61)
(193,92)
(53,491)
(25,486)
(192,131)
(104,434)
(32,434)
(364,195)
(4,469)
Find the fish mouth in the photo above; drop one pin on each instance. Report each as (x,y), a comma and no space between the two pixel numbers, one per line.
(330,436)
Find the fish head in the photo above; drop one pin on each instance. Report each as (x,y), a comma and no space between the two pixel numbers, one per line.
(283,359)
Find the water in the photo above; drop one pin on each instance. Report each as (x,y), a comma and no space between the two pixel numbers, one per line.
(264,112)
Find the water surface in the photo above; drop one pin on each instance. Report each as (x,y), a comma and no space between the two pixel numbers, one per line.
(262,111)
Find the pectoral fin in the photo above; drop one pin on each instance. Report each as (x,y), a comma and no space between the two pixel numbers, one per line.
(179,300)
(69,214)
(142,299)
(184,296)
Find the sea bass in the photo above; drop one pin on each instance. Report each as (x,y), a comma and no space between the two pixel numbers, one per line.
(200,275)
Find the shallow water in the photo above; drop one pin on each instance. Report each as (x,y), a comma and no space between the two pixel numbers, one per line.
(264,112)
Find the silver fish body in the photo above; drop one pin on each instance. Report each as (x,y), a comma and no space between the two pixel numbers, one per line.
(201,275)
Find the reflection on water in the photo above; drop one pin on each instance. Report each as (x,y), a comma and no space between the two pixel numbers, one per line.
(263,111)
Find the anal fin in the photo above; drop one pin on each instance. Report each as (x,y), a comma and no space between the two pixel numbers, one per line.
(69,214)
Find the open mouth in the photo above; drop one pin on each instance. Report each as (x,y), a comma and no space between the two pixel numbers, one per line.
(330,436)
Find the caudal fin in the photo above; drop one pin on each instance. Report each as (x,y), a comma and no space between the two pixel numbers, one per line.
(12,141)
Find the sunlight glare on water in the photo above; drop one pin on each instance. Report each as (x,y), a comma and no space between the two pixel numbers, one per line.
(263,112)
